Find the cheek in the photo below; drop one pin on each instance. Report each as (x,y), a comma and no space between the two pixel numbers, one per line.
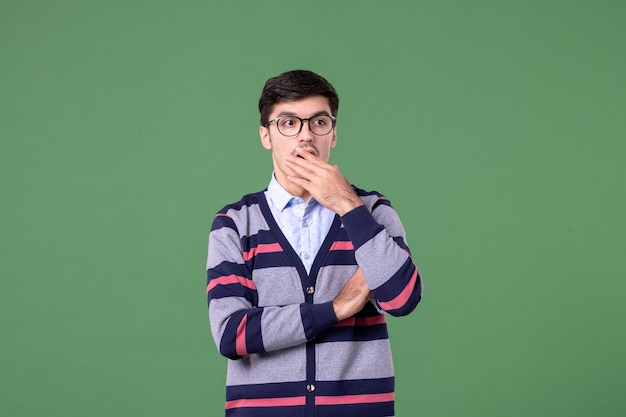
(279,154)
(325,151)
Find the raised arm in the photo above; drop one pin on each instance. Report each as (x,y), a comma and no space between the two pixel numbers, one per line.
(381,251)
(375,231)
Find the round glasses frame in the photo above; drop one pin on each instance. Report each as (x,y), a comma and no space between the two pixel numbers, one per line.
(308,120)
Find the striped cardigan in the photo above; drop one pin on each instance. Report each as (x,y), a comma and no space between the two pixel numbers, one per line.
(288,355)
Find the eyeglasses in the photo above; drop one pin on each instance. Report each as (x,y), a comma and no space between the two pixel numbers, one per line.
(292,125)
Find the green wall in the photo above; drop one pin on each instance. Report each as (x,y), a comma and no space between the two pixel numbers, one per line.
(496,128)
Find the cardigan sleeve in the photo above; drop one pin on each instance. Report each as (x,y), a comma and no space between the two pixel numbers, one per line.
(381,251)
(238,325)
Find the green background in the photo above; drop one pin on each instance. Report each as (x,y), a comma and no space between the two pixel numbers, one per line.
(494,127)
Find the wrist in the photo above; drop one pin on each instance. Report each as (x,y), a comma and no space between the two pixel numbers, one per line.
(348,205)
(339,313)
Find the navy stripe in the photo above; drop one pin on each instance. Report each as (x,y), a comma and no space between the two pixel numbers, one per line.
(226,268)
(361,226)
(360,410)
(234,290)
(267,412)
(368,311)
(317,318)
(223,221)
(295,389)
(381,202)
(254,341)
(396,284)
(246,201)
(268,260)
(362,193)
(269,390)
(228,342)
(355,386)
(261,237)
(354,333)
(400,242)
(340,257)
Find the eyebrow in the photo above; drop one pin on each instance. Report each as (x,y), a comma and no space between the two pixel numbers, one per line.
(288,113)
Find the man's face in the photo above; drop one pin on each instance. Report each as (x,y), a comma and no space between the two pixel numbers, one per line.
(281,146)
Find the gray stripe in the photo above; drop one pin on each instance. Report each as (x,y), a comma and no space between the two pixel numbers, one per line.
(249,220)
(278,286)
(219,253)
(220,310)
(384,248)
(282,327)
(353,360)
(287,365)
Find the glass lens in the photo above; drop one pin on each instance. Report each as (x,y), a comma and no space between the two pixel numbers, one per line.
(321,125)
(289,126)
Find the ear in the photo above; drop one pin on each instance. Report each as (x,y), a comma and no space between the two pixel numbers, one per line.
(266,141)
(333,141)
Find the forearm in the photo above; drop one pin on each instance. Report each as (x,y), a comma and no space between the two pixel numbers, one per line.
(384,257)
(246,331)
(240,326)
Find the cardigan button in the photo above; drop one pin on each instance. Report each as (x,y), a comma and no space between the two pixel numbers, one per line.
(310,290)
(310,387)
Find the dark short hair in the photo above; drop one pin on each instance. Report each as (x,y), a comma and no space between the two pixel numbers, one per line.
(293,86)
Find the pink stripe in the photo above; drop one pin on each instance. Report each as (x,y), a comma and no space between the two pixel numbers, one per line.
(240,341)
(402,298)
(221,215)
(230,279)
(266,402)
(362,321)
(342,245)
(354,399)
(262,248)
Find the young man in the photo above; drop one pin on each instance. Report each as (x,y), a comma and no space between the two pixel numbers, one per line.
(302,275)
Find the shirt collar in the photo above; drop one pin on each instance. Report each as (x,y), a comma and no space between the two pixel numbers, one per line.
(280,197)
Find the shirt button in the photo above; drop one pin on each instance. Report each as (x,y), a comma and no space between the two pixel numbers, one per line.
(310,387)
(305,256)
(310,290)
(305,224)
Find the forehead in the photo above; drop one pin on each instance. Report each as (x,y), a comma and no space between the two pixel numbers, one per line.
(305,107)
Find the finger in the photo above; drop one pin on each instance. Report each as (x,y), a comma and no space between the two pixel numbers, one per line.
(302,163)
(301,170)
(299,181)
(311,169)
(307,168)
(305,154)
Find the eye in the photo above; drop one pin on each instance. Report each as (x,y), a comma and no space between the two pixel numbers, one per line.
(288,121)
(320,121)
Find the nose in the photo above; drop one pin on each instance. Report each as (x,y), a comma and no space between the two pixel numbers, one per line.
(305,134)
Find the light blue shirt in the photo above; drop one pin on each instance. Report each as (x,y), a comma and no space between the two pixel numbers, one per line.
(305,225)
